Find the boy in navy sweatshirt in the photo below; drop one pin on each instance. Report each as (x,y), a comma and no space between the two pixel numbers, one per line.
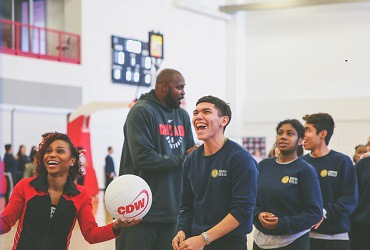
(219,185)
(338,184)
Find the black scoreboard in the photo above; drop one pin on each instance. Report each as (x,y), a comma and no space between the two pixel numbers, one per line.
(131,62)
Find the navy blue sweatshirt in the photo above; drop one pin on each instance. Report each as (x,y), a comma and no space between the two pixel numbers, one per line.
(362,212)
(291,192)
(338,184)
(216,185)
(156,140)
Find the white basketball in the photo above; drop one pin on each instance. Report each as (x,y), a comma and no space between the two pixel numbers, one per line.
(128,197)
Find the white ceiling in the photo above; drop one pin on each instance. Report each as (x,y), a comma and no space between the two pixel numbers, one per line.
(280,4)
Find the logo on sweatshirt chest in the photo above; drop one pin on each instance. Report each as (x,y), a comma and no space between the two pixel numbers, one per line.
(218,172)
(331,173)
(289,179)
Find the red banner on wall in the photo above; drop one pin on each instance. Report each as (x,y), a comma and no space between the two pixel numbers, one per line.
(79,132)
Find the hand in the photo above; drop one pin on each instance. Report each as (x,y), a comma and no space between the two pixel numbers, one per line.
(316,226)
(118,224)
(193,243)
(192,149)
(265,215)
(178,240)
(268,220)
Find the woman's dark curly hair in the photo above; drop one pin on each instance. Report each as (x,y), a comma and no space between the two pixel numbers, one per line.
(74,170)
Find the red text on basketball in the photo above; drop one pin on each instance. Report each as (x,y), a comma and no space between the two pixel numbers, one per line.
(132,207)
(136,207)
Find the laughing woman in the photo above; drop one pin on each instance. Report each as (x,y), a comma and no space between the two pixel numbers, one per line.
(289,200)
(48,204)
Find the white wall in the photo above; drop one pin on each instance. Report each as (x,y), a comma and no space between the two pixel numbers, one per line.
(302,52)
(352,124)
(307,60)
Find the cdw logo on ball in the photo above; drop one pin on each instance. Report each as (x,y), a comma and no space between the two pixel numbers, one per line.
(136,207)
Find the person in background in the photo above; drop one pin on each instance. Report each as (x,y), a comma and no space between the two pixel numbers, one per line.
(33,152)
(300,151)
(109,170)
(367,154)
(157,138)
(338,184)
(289,199)
(22,160)
(47,206)
(257,155)
(84,164)
(10,166)
(219,185)
(274,152)
(359,151)
(30,166)
(360,219)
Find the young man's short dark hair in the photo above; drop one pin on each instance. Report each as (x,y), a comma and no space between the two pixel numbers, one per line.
(221,106)
(321,121)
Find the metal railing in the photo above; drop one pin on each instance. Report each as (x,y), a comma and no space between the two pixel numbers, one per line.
(38,42)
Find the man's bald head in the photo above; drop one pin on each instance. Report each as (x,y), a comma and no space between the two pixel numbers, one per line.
(169,87)
(166,75)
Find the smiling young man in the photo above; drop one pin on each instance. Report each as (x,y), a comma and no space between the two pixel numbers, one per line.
(219,185)
(338,184)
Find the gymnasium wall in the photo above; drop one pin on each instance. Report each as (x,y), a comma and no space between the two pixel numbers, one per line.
(352,124)
(304,60)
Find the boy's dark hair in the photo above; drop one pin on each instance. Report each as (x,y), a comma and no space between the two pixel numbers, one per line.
(354,156)
(298,127)
(222,107)
(321,121)
(8,146)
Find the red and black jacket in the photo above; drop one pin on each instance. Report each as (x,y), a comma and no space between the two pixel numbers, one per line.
(31,204)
